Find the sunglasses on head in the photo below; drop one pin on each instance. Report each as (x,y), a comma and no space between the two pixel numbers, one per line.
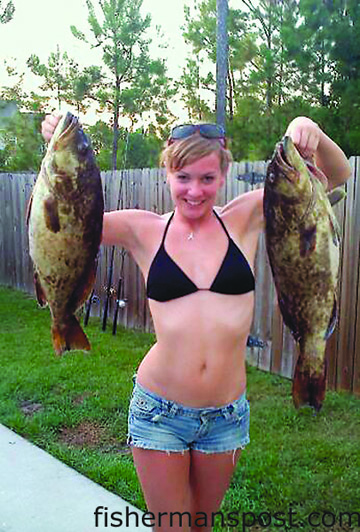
(208,131)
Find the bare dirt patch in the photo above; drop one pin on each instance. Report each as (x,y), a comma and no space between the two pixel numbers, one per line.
(92,435)
(79,399)
(30,407)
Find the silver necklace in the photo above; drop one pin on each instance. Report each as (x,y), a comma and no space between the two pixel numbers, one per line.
(191,236)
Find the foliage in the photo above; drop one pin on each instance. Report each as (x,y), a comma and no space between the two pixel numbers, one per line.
(254,130)
(134,83)
(190,84)
(22,144)
(7,13)
(296,461)
(64,77)
(31,102)
(286,57)
(136,149)
(200,32)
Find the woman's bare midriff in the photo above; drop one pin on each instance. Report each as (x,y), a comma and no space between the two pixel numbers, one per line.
(199,357)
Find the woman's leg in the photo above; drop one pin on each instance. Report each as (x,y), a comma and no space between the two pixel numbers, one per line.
(178,485)
(210,476)
(164,478)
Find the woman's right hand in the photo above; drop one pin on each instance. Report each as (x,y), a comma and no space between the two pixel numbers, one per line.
(48,126)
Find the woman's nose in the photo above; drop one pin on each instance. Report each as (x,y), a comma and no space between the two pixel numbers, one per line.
(195,189)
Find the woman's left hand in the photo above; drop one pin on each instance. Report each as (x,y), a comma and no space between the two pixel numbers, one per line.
(305,134)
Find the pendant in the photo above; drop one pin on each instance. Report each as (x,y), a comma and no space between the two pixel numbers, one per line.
(191,236)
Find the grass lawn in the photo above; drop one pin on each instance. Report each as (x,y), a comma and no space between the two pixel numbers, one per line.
(75,407)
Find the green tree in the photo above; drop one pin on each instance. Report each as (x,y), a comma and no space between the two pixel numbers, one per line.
(101,140)
(190,91)
(64,77)
(135,83)
(327,58)
(272,76)
(345,86)
(23,145)
(199,32)
(7,13)
(309,49)
(136,149)
(25,101)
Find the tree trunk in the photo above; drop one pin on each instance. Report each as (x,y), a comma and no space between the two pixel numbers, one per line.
(116,126)
(231,92)
(221,60)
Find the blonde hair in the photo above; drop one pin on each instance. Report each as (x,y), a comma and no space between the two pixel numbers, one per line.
(182,152)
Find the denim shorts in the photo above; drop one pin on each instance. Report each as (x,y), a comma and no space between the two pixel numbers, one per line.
(158,424)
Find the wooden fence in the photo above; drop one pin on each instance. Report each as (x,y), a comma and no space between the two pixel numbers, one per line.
(270,345)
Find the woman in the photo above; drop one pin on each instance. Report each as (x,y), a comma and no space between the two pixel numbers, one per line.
(189,417)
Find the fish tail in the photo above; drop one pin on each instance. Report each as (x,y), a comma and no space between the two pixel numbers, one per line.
(308,386)
(68,336)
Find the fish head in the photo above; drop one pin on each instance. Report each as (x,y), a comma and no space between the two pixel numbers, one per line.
(287,172)
(290,173)
(69,150)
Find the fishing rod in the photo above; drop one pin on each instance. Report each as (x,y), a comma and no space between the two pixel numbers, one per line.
(111,265)
(120,303)
(88,307)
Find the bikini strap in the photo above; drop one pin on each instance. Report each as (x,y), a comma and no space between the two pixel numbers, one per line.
(166,228)
(172,216)
(222,223)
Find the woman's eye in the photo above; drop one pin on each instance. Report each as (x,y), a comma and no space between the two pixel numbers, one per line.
(209,179)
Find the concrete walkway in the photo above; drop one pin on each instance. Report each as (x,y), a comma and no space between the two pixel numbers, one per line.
(38,493)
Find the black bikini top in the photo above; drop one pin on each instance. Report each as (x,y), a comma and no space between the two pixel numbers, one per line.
(166,280)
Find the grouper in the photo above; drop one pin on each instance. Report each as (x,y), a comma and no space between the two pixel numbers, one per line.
(65,219)
(303,245)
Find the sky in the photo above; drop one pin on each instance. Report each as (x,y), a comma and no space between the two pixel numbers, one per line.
(39,26)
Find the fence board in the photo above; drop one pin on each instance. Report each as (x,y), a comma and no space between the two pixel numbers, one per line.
(350,261)
(355,385)
(147,189)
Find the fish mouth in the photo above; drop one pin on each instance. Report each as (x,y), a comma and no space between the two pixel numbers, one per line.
(285,153)
(67,126)
(289,157)
(64,131)
(282,161)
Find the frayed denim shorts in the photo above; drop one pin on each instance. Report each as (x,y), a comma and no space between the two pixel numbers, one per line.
(158,424)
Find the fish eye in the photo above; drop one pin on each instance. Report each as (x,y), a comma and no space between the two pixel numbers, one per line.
(83,145)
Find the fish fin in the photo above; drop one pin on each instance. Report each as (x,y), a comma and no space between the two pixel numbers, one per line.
(28,209)
(52,214)
(69,336)
(336,195)
(40,294)
(308,389)
(307,240)
(335,229)
(333,320)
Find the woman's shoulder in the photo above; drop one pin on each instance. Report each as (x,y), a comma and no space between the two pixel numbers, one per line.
(245,212)
(247,203)
(127,227)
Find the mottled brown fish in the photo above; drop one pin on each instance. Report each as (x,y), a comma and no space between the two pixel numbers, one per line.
(303,245)
(65,225)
